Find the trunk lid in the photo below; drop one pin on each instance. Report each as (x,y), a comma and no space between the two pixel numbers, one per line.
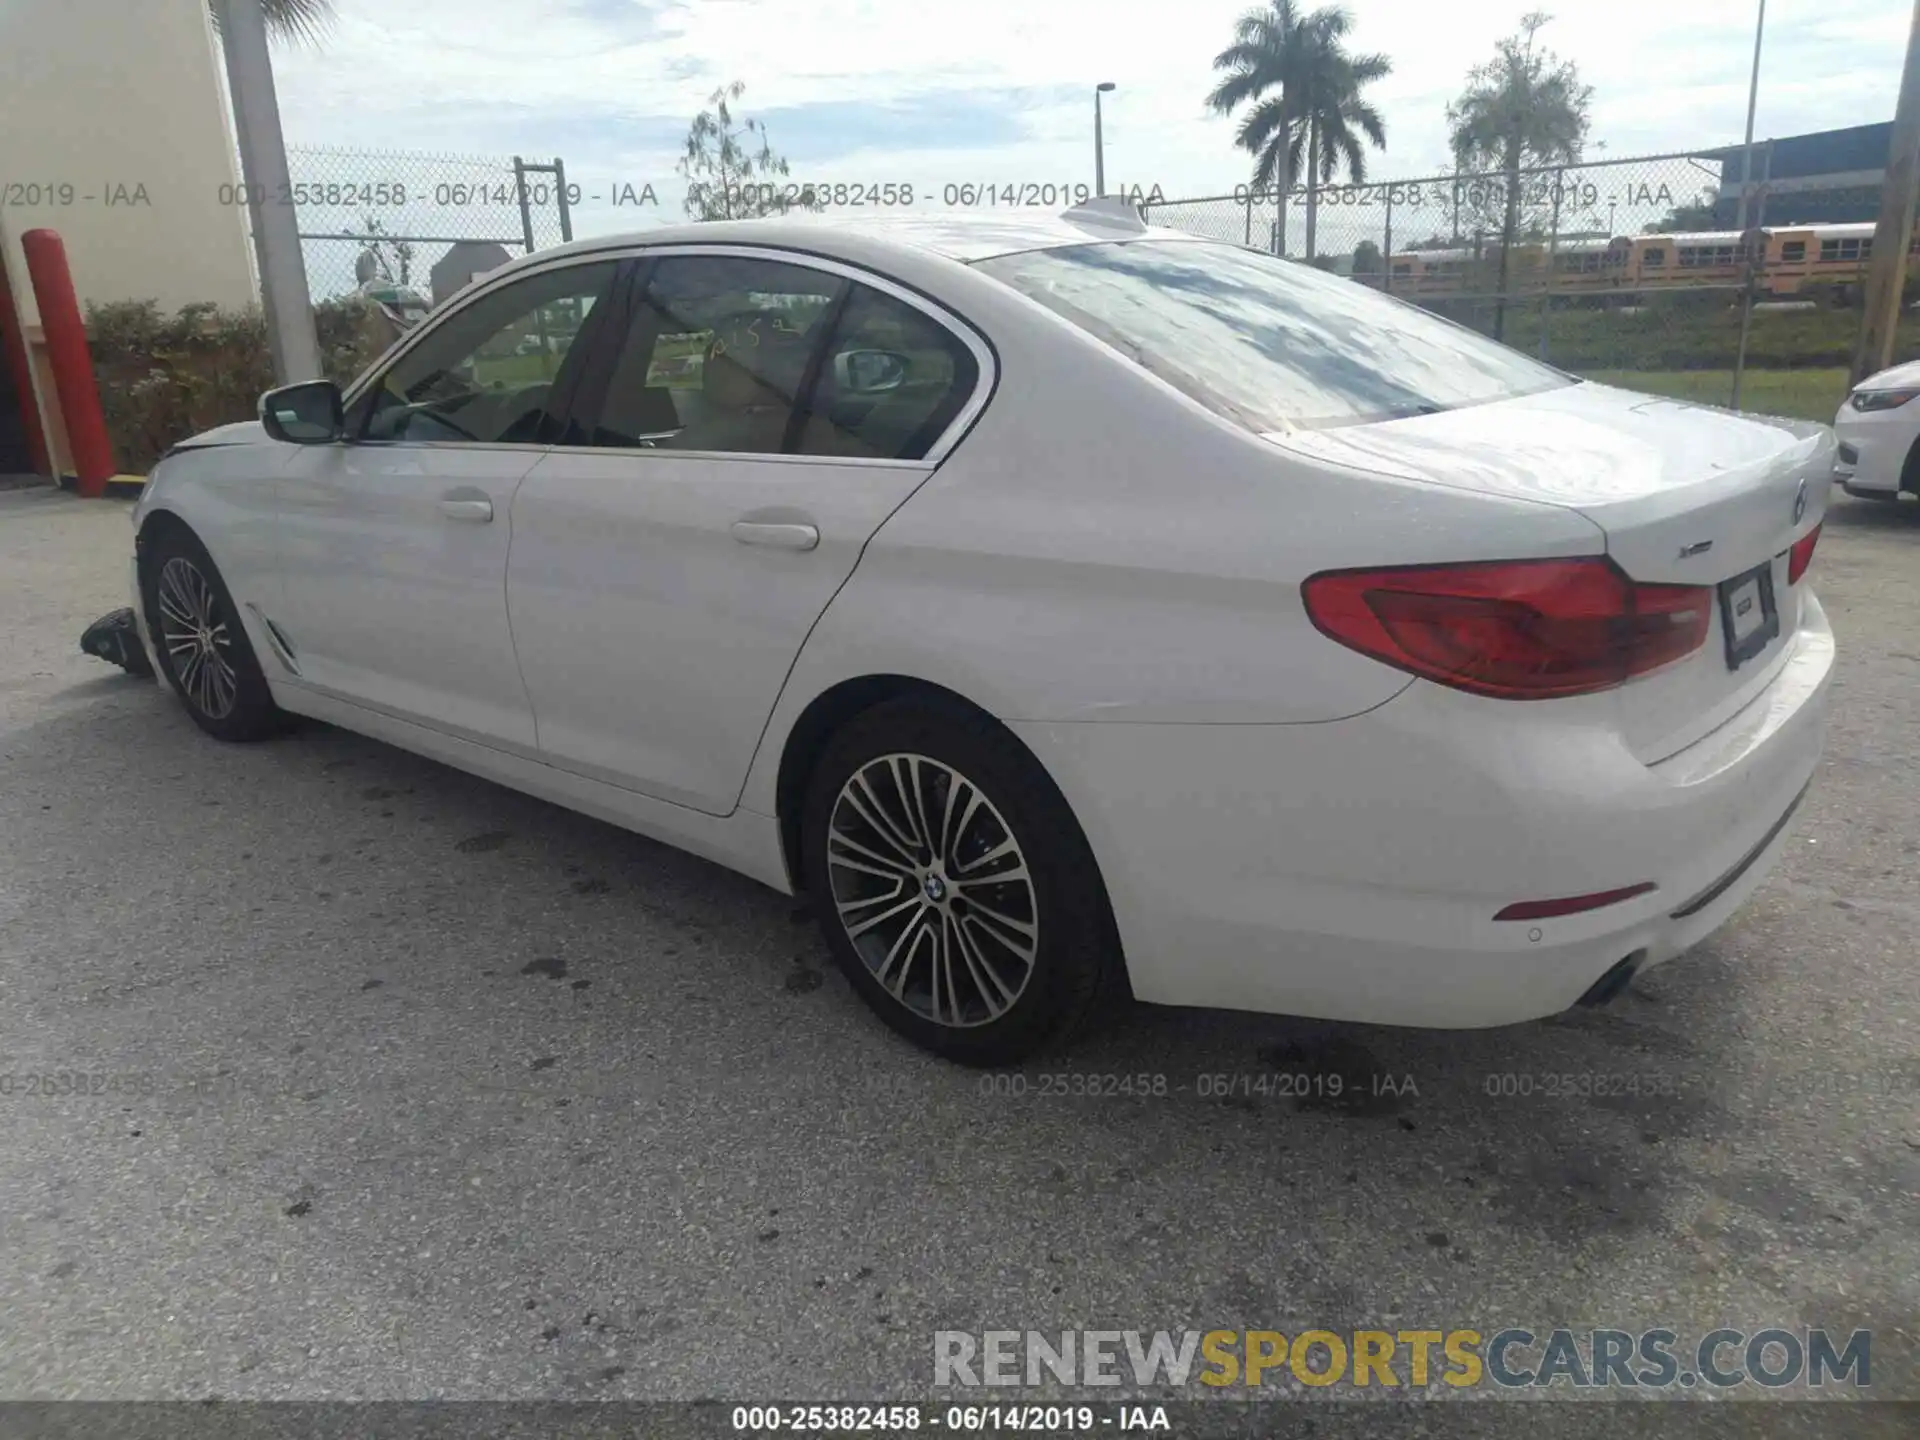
(1684,494)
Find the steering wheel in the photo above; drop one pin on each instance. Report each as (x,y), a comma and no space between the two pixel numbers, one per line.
(396,418)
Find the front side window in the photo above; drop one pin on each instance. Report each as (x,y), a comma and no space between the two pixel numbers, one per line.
(487,373)
(1269,343)
(716,355)
(1656,255)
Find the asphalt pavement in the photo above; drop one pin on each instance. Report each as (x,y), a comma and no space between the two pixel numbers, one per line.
(396,1084)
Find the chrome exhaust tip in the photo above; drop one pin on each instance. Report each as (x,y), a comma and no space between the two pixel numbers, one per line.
(1618,977)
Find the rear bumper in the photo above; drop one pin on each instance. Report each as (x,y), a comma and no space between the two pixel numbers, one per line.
(1351,870)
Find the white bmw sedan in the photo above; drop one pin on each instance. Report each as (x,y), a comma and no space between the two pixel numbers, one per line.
(1878,427)
(1068,608)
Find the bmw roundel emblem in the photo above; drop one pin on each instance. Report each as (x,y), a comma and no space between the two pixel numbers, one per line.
(1800,502)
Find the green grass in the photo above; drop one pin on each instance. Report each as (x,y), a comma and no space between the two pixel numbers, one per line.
(1681,332)
(1805,394)
(514,371)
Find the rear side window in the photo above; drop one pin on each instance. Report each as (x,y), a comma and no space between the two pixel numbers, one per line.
(892,380)
(1269,343)
(741,354)
(716,355)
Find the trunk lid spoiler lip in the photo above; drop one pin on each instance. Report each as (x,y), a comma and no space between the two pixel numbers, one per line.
(1617,458)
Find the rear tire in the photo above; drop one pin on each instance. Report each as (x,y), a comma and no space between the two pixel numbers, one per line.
(953,884)
(202,644)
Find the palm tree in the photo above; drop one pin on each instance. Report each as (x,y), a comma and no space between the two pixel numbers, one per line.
(304,20)
(1523,108)
(1306,104)
(1335,112)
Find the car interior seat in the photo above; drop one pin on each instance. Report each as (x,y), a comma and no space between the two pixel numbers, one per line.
(747,393)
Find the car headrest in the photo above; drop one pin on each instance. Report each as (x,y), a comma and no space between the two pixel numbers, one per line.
(754,366)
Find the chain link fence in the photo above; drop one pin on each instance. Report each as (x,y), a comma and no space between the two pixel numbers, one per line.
(1653,272)
(406,211)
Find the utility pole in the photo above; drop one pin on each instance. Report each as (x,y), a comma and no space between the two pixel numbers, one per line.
(1753,102)
(1099,141)
(263,164)
(1886,272)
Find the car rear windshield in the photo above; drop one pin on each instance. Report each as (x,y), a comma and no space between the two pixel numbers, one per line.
(1271,343)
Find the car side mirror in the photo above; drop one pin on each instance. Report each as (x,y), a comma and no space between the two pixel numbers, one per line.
(869,372)
(305,414)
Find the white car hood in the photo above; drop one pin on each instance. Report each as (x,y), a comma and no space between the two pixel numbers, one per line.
(1898,378)
(241,432)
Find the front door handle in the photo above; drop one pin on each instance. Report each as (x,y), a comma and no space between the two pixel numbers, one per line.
(466,505)
(781,537)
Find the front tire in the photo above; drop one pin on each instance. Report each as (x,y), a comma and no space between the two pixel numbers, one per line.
(953,884)
(203,647)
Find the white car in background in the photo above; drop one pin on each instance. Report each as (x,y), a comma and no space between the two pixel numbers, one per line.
(1066,606)
(1878,429)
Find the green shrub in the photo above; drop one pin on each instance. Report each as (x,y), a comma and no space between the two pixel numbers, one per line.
(165,377)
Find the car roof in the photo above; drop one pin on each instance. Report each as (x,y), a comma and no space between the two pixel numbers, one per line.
(966,236)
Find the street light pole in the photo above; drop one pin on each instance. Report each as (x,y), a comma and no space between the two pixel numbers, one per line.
(1753,101)
(1099,141)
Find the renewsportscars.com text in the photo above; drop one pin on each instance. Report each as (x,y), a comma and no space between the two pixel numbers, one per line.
(1510,1358)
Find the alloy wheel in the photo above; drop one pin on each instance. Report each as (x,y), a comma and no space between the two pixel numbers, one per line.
(933,889)
(195,635)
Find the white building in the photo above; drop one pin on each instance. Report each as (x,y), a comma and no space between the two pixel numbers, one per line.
(114,131)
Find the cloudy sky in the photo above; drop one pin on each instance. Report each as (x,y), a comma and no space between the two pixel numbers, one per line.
(1000,91)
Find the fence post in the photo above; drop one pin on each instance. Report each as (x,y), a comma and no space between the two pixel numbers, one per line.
(560,195)
(1386,249)
(1553,251)
(1746,293)
(1478,273)
(71,361)
(526,213)
(1249,212)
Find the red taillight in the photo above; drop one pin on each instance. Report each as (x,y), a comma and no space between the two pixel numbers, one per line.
(1801,555)
(1572,905)
(1514,629)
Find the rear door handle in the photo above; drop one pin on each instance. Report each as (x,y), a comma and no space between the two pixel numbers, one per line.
(466,504)
(781,537)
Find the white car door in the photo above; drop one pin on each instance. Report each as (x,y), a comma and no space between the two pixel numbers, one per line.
(393,545)
(761,419)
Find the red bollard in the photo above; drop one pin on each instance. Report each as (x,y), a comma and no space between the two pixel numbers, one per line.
(72,362)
